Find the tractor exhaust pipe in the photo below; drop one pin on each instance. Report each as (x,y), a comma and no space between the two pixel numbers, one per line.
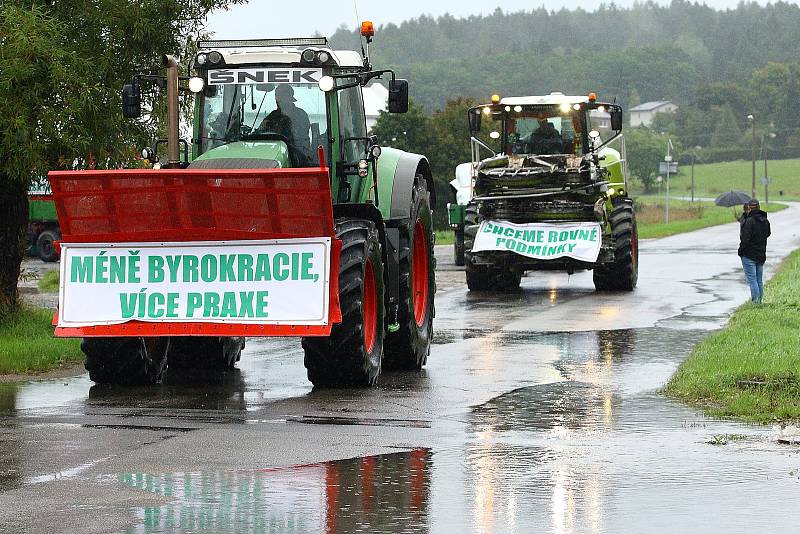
(173,149)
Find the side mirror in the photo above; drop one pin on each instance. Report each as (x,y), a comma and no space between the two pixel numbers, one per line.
(474,116)
(616,119)
(131,101)
(398,96)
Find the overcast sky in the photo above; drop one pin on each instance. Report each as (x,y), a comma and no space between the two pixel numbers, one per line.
(300,18)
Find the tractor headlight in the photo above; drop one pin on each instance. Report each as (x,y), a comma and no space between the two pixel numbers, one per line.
(363,168)
(307,55)
(214,58)
(201,59)
(375,151)
(325,83)
(196,84)
(610,192)
(323,57)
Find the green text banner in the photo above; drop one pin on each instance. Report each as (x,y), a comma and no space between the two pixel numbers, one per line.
(541,241)
(243,282)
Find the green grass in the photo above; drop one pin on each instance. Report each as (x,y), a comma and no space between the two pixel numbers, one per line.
(685,216)
(751,369)
(712,179)
(49,282)
(27,344)
(445,237)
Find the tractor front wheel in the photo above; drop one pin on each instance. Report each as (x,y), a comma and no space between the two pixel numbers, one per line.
(201,355)
(352,354)
(623,273)
(128,361)
(46,245)
(481,277)
(409,346)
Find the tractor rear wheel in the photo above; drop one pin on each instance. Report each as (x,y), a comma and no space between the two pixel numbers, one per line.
(409,346)
(623,273)
(352,354)
(482,277)
(128,361)
(197,355)
(46,245)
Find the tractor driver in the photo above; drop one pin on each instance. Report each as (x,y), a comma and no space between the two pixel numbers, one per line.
(546,139)
(291,122)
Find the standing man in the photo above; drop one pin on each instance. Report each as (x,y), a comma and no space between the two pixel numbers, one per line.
(753,247)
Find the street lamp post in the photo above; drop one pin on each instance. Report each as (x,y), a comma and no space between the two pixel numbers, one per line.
(753,188)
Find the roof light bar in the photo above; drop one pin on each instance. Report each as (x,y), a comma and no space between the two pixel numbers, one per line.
(244,43)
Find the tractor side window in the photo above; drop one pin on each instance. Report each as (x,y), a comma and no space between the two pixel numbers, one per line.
(352,123)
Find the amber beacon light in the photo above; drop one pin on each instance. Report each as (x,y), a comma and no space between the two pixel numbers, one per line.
(367,29)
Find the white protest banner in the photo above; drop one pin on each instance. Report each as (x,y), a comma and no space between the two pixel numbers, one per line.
(282,281)
(542,241)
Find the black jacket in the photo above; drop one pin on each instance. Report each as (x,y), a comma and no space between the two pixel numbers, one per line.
(753,236)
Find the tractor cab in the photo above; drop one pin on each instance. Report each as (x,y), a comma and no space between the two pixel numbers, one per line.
(554,126)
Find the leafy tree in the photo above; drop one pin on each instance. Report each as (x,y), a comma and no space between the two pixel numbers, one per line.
(727,132)
(63,66)
(409,131)
(645,149)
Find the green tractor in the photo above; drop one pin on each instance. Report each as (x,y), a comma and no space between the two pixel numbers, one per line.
(288,219)
(548,191)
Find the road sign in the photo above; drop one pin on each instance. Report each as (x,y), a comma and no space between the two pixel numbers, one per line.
(668,166)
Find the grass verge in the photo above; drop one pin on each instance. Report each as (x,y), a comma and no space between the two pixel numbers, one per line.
(750,370)
(712,179)
(49,282)
(27,344)
(685,216)
(445,237)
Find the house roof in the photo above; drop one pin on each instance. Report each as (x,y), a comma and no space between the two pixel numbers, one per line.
(650,106)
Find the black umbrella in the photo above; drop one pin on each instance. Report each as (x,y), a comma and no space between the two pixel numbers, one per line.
(732,198)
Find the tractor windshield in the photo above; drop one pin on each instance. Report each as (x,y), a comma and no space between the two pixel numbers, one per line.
(292,113)
(542,130)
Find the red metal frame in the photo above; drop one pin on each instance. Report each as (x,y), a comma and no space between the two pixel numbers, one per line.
(184,205)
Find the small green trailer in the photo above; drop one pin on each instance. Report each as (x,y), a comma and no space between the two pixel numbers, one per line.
(43,230)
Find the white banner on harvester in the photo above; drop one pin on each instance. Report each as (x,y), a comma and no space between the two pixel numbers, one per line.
(283,281)
(542,241)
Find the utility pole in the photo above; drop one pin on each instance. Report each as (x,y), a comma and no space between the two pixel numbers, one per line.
(693,158)
(753,188)
(668,159)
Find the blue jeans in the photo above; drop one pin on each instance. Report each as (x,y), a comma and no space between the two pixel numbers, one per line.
(754,273)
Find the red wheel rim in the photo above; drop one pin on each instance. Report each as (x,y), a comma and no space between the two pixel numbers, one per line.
(369,307)
(419,273)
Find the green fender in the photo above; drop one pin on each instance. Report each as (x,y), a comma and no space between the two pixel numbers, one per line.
(396,172)
(613,162)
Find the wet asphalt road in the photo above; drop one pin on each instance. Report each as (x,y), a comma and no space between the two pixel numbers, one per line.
(538,411)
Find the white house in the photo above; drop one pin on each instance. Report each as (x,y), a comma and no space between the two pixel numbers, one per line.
(376,99)
(643,114)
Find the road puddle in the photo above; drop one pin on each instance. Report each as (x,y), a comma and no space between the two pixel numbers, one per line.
(384,493)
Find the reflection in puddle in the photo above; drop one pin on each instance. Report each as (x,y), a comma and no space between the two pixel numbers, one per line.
(385,493)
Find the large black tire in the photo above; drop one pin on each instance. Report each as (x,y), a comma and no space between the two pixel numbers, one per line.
(195,355)
(409,346)
(623,273)
(46,247)
(128,361)
(352,354)
(458,246)
(484,277)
